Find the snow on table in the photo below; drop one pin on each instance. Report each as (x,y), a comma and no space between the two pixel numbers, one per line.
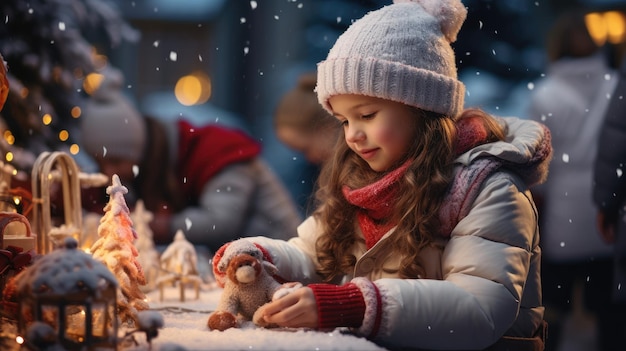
(186,329)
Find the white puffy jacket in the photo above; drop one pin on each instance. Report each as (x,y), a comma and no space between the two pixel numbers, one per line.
(483,284)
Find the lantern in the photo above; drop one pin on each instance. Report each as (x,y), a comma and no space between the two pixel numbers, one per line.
(73,294)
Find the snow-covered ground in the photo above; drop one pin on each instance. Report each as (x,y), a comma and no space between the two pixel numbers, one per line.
(186,328)
(185,325)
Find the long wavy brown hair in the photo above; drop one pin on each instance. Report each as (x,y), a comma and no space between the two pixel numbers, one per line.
(422,190)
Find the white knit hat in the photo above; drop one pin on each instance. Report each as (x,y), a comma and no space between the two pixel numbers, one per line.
(400,52)
(110,123)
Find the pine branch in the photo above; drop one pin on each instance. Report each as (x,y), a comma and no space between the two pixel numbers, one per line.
(45,43)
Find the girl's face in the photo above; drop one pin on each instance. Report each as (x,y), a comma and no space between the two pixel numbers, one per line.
(380,131)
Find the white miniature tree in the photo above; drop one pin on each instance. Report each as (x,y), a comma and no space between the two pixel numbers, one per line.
(115,248)
(179,261)
(148,255)
(180,256)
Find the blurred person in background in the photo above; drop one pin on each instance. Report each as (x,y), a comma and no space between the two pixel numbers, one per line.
(571,100)
(303,125)
(207,180)
(609,195)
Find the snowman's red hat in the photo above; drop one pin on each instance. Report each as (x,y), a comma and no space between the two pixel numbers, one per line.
(229,250)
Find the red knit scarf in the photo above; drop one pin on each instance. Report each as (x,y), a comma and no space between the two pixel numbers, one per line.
(375,202)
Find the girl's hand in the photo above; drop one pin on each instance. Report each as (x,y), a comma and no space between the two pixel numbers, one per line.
(297,309)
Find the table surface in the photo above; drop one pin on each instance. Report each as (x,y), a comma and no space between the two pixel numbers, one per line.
(186,324)
(185,327)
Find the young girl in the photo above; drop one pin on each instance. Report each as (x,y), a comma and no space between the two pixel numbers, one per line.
(426,234)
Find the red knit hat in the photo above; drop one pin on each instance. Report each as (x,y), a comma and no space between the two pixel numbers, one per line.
(229,250)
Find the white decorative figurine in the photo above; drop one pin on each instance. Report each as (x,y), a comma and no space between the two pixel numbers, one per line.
(179,263)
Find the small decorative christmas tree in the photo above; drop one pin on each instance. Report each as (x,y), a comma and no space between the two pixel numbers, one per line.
(115,248)
(148,255)
(179,261)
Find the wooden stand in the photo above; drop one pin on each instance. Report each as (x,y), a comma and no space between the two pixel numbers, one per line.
(182,281)
(50,167)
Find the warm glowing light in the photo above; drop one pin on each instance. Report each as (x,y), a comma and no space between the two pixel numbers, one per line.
(64,135)
(76,112)
(193,89)
(8,137)
(74,149)
(187,90)
(608,26)
(19,340)
(9,156)
(92,82)
(615,26)
(17,200)
(46,119)
(596,27)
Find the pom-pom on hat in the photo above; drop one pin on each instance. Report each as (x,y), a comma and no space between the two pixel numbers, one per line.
(110,125)
(225,253)
(400,52)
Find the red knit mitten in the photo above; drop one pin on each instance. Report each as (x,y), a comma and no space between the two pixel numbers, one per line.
(338,306)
